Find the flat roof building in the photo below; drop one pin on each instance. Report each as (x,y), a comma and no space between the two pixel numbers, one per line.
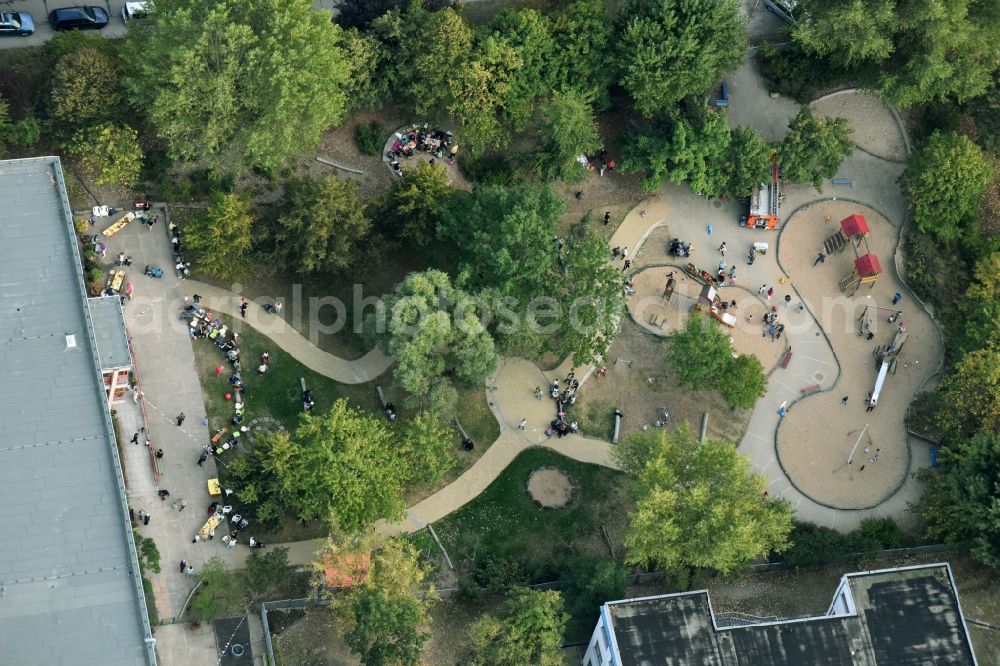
(70,586)
(893,617)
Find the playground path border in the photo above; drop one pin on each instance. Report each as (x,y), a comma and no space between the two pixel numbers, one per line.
(896,257)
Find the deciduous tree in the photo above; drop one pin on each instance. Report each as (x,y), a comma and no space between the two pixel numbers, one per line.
(567,130)
(583,61)
(970,395)
(943,52)
(219,594)
(110,154)
(529,631)
(86,90)
(698,504)
(527,32)
(426,444)
(265,571)
(669,49)
(220,238)
(960,500)
(434,331)
(851,32)
(415,203)
(980,307)
(321,223)
(386,615)
(749,161)
(743,382)
(699,353)
(432,54)
(480,92)
(369,60)
(943,182)
(814,148)
(239,83)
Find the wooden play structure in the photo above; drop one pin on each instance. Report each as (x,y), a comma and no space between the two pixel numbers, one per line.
(716,307)
(853,229)
(866,269)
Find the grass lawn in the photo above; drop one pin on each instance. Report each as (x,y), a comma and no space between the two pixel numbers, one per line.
(505,522)
(278,394)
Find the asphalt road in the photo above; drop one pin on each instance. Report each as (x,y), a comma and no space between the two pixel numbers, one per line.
(39,10)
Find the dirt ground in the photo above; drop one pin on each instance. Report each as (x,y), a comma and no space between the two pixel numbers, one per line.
(313,640)
(634,357)
(338,145)
(550,488)
(873,128)
(817,437)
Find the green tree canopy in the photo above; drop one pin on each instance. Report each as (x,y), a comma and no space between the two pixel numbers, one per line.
(567,130)
(851,32)
(220,238)
(699,353)
(814,148)
(943,182)
(980,307)
(434,331)
(480,91)
(749,161)
(503,239)
(369,60)
(970,395)
(85,90)
(386,616)
(961,501)
(239,83)
(415,202)
(582,35)
(744,381)
(432,53)
(342,466)
(943,51)
(528,631)
(220,592)
(426,443)
(698,504)
(321,222)
(110,154)
(669,49)
(682,150)
(264,571)
(527,32)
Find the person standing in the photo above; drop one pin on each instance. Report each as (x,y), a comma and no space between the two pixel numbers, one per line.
(763,288)
(129,290)
(896,298)
(626,266)
(190,570)
(625,252)
(607,217)
(722,248)
(180,419)
(184,565)
(523,424)
(202,458)
(243,307)
(135,439)
(770,292)
(820,258)
(843,401)
(788,299)
(159,454)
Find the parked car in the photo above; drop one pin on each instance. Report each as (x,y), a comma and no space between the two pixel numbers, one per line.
(78,18)
(134,10)
(16,23)
(783,9)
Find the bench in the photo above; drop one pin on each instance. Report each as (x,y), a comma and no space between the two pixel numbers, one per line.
(810,389)
(786,358)
(843,181)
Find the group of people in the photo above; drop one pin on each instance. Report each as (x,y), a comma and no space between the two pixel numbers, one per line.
(771,325)
(564,396)
(679,248)
(435,142)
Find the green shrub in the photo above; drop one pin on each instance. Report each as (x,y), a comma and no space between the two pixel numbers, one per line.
(489,170)
(96,274)
(370,138)
(813,545)
(81,226)
(499,573)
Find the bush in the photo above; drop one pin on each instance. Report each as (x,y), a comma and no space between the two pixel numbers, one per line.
(81,226)
(96,274)
(370,138)
(499,573)
(489,170)
(813,545)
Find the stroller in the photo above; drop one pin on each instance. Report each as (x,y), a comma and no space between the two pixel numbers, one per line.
(150,271)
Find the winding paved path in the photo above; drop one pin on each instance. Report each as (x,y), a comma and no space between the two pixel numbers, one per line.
(510,389)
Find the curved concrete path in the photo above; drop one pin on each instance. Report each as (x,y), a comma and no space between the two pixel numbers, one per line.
(283,334)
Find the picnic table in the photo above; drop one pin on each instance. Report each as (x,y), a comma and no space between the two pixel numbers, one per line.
(116,280)
(208,529)
(119,225)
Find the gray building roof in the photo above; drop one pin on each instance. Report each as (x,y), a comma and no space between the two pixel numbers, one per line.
(109,332)
(895,617)
(70,588)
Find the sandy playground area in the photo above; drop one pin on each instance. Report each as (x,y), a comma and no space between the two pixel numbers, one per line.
(817,436)
(873,127)
(648,304)
(550,487)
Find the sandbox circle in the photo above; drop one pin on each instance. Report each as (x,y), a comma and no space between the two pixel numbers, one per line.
(550,488)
